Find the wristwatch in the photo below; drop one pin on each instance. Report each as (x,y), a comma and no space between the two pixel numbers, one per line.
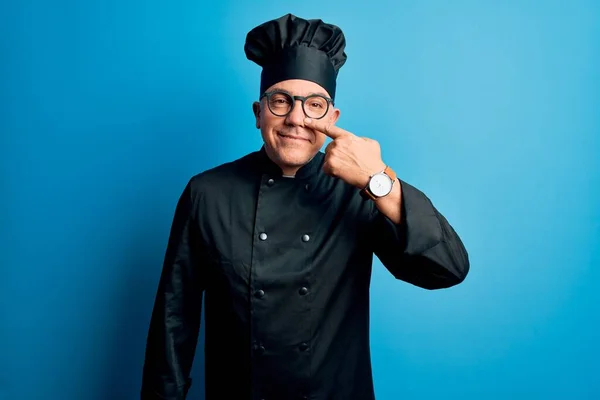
(380,184)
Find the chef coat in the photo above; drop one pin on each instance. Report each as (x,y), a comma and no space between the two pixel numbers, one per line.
(285,267)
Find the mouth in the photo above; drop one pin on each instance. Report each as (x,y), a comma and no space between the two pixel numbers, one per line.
(293,138)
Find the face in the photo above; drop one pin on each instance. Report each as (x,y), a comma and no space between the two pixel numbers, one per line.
(287,142)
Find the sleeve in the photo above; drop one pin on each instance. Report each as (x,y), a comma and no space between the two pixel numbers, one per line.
(423,249)
(175,321)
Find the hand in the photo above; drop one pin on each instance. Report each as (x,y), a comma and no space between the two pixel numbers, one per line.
(349,157)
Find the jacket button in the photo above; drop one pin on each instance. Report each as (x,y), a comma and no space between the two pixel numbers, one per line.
(270,182)
(259,348)
(259,293)
(263,236)
(305,238)
(307,187)
(303,347)
(303,290)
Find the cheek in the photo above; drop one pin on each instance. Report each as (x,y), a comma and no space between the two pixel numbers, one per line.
(320,139)
(268,123)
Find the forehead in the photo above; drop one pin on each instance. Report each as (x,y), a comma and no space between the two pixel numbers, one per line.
(299,87)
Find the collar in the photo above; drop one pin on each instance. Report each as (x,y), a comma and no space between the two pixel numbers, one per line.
(266,165)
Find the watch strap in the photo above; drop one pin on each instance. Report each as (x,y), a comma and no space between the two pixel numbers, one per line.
(390,172)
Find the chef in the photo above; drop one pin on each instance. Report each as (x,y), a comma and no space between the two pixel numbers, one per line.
(281,242)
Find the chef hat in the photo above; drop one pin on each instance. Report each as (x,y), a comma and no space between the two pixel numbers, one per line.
(290,47)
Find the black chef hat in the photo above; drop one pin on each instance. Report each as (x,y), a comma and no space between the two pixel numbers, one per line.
(294,48)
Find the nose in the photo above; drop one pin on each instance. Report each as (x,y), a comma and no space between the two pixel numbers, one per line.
(296,116)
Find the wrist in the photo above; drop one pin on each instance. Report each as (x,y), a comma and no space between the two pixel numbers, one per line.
(379,184)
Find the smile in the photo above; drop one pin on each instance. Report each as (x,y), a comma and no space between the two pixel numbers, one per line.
(297,138)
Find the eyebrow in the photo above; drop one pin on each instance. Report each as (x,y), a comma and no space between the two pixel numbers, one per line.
(276,89)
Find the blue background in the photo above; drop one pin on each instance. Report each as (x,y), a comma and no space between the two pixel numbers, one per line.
(491,108)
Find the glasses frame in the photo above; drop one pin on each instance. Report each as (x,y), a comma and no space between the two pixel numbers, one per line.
(294,99)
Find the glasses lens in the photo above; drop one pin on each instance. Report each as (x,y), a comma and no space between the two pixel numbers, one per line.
(280,103)
(315,106)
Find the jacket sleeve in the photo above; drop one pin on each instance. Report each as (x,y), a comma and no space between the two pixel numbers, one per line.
(175,321)
(423,249)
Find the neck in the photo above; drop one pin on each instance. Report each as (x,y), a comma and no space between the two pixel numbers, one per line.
(290,172)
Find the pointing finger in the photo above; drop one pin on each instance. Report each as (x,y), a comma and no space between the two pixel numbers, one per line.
(332,131)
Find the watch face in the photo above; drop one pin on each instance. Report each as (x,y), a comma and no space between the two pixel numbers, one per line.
(380,185)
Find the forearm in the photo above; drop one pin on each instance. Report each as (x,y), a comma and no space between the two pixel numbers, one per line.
(391,205)
(175,321)
(422,248)
(172,337)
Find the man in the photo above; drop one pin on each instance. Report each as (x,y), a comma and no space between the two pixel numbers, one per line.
(281,242)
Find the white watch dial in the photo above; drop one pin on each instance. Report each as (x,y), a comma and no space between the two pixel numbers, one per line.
(380,185)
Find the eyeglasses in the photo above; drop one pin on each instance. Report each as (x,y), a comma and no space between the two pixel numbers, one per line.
(281,104)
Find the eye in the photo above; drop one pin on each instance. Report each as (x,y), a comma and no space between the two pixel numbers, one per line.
(280,99)
(316,103)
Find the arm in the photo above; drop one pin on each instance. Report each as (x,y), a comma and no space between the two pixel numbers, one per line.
(411,238)
(175,321)
(415,242)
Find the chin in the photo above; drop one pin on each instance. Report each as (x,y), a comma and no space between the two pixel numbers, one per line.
(294,156)
(290,153)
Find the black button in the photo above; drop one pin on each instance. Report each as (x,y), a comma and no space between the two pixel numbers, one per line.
(303,291)
(270,182)
(303,346)
(259,293)
(259,348)
(306,187)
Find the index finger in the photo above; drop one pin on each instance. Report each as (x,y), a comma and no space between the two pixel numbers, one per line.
(332,131)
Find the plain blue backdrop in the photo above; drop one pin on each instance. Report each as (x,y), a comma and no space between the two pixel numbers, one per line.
(491,108)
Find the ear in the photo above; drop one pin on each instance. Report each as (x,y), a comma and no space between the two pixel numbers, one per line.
(334,116)
(256,111)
